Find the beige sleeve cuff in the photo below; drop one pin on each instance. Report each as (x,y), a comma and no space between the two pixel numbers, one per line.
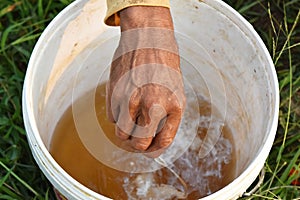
(114,6)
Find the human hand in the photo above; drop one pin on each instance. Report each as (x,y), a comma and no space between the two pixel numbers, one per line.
(145,95)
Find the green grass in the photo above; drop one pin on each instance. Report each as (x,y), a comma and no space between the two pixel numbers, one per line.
(22,22)
(278,23)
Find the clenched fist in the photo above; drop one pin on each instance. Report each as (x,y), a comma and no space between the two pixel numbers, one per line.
(145,95)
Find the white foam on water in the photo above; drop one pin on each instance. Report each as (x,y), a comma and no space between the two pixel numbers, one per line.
(144,187)
(190,166)
(194,170)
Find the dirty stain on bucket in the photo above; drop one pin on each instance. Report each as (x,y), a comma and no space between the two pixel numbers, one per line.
(223,60)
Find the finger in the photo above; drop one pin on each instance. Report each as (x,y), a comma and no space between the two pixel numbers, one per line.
(147,125)
(126,120)
(121,134)
(166,136)
(141,139)
(141,144)
(112,111)
(124,125)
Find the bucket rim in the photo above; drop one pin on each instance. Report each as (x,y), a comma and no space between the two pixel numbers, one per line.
(63,180)
(58,177)
(251,172)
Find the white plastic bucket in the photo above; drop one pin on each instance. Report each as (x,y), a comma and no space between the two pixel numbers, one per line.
(208,31)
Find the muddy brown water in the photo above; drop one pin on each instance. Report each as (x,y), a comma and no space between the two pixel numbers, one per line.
(203,176)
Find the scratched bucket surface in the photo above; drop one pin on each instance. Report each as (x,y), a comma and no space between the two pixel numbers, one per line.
(245,83)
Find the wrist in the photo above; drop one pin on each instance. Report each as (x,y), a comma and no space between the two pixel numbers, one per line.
(145,16)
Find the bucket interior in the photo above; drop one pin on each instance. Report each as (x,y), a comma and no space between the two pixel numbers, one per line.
(220,58)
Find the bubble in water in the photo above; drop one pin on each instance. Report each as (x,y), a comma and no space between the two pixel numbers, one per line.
(197,172)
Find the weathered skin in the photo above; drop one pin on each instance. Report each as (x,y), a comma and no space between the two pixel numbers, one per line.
(156,108)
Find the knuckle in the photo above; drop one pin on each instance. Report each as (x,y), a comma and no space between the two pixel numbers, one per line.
(148,103)
(141,145)
(165,142)
(133,102)
(177,111)
(120,134)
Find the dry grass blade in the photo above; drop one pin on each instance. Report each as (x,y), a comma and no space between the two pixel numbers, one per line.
(162,162)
